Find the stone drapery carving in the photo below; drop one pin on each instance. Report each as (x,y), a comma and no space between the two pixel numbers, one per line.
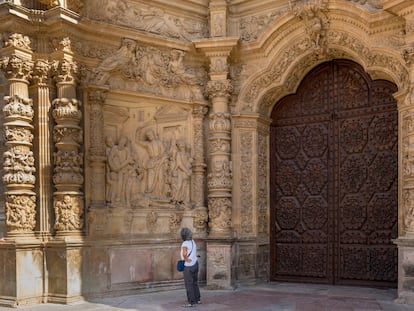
(146,18)
(151,70)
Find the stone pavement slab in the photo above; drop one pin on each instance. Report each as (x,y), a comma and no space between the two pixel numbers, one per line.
(263,297)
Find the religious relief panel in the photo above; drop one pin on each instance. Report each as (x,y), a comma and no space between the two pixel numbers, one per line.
(149,160)
(148,69)
(151,19)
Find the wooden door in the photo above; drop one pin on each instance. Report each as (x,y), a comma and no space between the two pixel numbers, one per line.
(334,175)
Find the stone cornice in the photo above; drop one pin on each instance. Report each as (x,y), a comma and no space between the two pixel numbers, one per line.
(216,46)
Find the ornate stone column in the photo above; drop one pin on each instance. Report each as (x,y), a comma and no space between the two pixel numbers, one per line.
(21,254)
(200,214)
(43,145)
(65,252)
(68,160)
(219,178)
(18,163)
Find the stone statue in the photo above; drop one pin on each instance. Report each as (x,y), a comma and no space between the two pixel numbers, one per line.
(180,173)
(120,165)
(155,165)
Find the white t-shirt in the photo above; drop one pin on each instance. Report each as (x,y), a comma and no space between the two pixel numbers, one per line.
(192,250)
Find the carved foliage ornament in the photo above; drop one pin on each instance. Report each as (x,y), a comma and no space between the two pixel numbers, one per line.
(20,212)
(334,38)
(68,213)
(20,108)
(221,176)
(220,213)
(219,88)
(16,40)
(246,182)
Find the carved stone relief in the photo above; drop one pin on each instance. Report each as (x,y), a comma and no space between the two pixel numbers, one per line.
(147,18)
(293,53)
(151,157)
(139,68)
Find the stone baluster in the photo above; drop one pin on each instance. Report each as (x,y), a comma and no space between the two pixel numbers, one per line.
(18,159)
(96,153)
(68,179)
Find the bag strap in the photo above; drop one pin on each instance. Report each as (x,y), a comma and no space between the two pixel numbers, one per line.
(192,246)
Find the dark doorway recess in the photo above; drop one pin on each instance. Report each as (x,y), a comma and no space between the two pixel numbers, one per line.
(334,179)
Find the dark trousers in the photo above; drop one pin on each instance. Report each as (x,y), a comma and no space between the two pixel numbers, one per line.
(191,283)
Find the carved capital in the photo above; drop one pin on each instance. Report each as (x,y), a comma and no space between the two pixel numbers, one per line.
(220,88)
(65,71)
(15,67)
(41,72)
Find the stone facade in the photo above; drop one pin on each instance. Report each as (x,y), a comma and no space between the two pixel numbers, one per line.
(126,120)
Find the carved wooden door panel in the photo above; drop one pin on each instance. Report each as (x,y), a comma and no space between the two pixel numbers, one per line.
(333,165)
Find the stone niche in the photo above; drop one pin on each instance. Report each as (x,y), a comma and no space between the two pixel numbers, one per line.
(148,186)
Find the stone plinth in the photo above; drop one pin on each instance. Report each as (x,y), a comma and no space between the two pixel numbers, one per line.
(220,274)
(21,273)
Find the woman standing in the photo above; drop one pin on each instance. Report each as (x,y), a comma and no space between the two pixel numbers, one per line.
(189,254)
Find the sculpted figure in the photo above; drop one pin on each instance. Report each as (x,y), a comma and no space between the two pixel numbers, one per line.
(176,67)
(155,165)
(120,164)
(180,173)
(117,61)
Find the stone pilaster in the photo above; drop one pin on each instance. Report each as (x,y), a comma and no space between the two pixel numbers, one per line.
(40,91)
(405,100)
(96,154)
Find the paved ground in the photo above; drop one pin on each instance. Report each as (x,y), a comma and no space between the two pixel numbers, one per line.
(264,297)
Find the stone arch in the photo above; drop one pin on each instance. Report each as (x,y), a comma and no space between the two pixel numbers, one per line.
(291,61)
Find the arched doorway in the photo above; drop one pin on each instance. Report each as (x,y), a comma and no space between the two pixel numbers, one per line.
(334,179)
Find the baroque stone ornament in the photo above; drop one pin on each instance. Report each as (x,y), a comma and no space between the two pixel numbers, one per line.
(18,158)
(152,70)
